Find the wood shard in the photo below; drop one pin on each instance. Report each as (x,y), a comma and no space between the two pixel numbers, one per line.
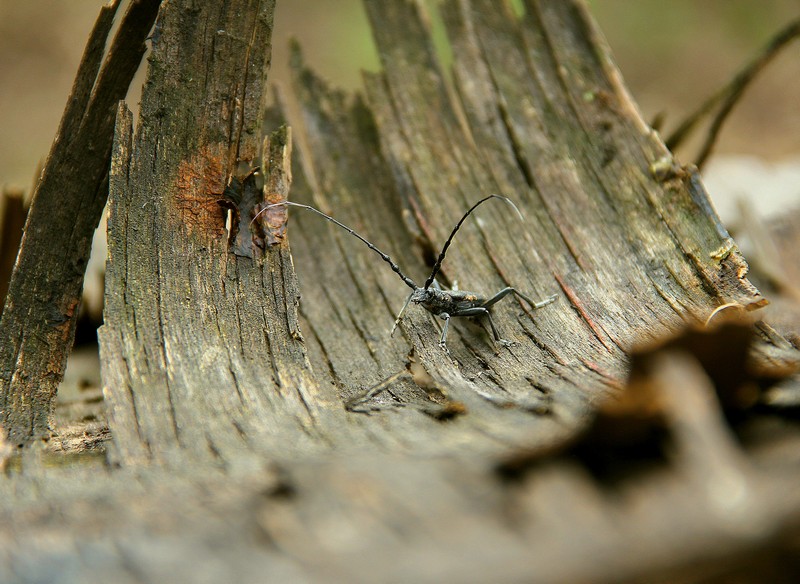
(269,227)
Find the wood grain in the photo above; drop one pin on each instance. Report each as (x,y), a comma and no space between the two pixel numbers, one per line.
(228,358)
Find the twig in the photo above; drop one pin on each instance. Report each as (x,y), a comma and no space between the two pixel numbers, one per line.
(729,95)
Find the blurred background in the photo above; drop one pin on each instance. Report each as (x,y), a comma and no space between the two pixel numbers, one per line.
(672,55)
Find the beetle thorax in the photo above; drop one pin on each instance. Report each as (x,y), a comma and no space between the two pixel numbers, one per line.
(433,300)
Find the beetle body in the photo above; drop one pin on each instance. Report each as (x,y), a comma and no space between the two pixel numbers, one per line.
(439,302)
(444,304)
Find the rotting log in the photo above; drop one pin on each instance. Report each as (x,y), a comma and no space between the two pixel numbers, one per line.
(233,454)
(41,308)
(537,113)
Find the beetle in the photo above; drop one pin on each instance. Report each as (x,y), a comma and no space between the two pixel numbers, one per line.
(440,302)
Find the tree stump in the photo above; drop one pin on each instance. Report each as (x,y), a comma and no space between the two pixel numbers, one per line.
(226,372)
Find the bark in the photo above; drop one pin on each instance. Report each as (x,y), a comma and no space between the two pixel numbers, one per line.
(233,453)
(38,322)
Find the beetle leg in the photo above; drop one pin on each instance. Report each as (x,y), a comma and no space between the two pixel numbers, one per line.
(400,314)
(509,290)
(482,311)
(446,318)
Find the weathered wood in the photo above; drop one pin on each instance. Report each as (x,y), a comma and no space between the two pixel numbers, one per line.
(202,353)
(633,255)
(541,117)
(38,321)
(260,472)
(709,507)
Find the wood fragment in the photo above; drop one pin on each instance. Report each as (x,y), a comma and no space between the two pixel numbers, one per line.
(202,353)
(38,321)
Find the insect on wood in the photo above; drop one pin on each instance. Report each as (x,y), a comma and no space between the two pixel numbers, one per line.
(440,302)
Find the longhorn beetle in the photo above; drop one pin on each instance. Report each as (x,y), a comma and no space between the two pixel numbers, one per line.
(439,302)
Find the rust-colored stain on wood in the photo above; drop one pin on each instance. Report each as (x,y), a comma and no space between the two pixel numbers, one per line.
(64,322)
(598,331)
(199,184)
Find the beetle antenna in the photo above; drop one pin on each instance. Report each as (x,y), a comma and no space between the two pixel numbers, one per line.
(437,266)
(384,256)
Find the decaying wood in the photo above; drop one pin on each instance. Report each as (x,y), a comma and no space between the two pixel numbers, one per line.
(233,454)
(631,257)
(38,321)
(202,352)
(708,507)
